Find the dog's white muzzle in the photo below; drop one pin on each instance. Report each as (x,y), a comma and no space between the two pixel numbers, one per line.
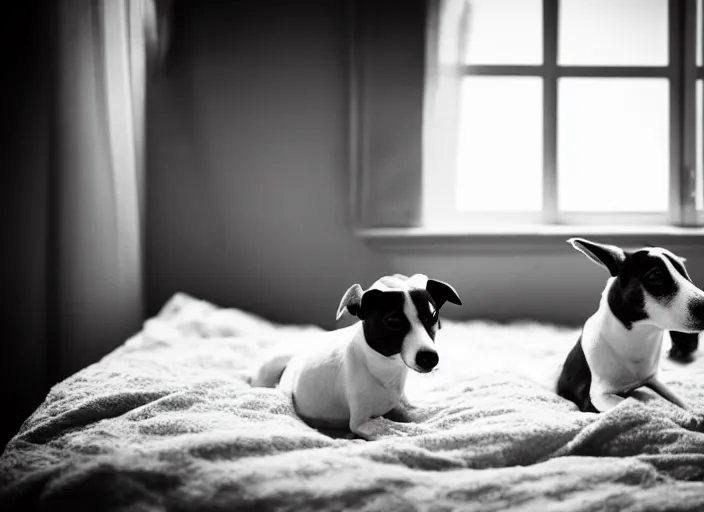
(418,351)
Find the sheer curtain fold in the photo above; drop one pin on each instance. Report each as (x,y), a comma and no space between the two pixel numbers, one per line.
(445,48)
(405,82)
(387,84)
(101,64)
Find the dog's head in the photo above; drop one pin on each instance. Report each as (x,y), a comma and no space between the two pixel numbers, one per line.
(650,285)
(400,316)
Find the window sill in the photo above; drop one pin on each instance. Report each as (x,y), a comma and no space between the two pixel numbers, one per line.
(525,238)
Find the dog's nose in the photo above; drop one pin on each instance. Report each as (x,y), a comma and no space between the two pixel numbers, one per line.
(427,359)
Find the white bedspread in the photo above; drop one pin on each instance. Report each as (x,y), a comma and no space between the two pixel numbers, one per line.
(167,422)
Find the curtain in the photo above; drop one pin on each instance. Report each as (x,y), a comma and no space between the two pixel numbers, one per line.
(446,44)
(97,182)
(406,69)
(71,187)
(388,67)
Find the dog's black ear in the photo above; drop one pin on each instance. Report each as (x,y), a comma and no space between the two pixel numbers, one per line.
(371,300)
(610,257)
(684,269)
(351,301)
(442,292)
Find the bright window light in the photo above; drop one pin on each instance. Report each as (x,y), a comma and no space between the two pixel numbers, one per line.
(613,33)
(500,144)
(613,144)
(495,38)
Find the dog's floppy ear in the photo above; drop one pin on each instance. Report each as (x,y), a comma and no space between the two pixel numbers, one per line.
(351,301)
(442,292)
(607,256)
(683,261)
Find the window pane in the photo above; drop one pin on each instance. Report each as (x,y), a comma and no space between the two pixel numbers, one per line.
(505,32)
(613,144)
(613,33)
(501,144)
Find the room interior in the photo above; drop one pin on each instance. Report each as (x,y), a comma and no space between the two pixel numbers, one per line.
(257,189)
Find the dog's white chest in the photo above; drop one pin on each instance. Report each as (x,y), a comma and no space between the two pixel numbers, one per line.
(379,395)
(620,360)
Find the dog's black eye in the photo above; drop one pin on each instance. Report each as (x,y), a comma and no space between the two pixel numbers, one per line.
(433,317)
(393,322)
(654,276)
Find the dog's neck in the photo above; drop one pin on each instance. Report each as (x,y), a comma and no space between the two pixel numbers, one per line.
(636,343)
(389,371)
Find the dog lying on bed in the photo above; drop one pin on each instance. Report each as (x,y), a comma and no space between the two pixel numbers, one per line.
(358,374)
(649,292)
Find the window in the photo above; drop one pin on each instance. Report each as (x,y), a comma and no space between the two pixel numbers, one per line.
(577,112)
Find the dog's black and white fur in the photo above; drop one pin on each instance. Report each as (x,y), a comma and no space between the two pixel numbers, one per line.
(356,378)
(649,292)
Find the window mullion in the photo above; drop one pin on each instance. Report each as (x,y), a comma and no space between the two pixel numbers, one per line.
(550,28)
(683,111)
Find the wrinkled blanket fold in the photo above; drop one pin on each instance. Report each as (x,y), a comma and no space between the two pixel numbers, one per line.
(167,421)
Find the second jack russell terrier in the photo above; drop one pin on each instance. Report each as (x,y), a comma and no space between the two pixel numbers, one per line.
(649,292)
(358,374)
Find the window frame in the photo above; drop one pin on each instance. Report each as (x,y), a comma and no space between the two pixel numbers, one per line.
(692,73)
(405,229)
(680,26)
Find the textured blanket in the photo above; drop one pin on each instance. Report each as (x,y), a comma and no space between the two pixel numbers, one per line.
(168,422)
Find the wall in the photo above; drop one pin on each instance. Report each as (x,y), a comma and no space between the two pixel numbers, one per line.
(247,185)
(248,181)
(24,182)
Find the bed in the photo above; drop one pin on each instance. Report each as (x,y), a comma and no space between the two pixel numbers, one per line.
(167,421)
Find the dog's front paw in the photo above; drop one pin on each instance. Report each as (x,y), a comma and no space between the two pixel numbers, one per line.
(400,414)
(684,346)
(680,355)
(381,428)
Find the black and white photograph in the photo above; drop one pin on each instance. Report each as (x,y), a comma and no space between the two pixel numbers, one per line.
(352,255)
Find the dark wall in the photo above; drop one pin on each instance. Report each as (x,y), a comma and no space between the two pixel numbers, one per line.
(247,190)
(24,183)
